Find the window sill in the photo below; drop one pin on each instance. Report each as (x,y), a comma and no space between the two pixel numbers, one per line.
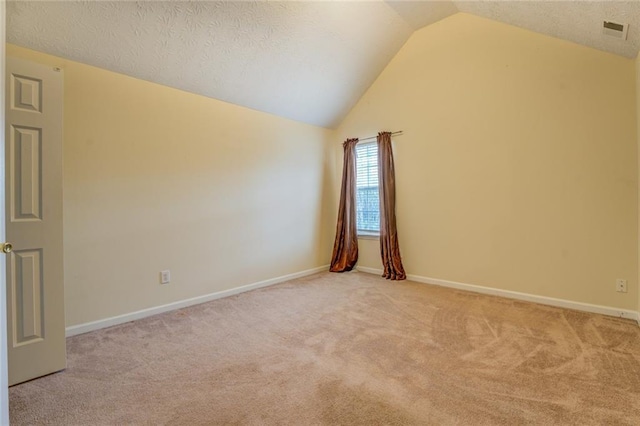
(368,235)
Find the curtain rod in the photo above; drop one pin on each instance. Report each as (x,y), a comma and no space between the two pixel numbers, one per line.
(399,132)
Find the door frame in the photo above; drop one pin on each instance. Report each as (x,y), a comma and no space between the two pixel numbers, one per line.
(4,388)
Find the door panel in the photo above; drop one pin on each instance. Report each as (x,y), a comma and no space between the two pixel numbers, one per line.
(33,196)
(26,285)
(25,167)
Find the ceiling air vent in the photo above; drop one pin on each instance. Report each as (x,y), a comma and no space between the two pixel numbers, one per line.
(614,29)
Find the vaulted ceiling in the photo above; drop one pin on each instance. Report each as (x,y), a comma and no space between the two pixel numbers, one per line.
(308,61)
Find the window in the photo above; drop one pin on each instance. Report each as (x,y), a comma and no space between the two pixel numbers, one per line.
(367,199)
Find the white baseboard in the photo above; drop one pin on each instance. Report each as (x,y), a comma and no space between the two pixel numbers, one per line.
(561,303)
(121,319)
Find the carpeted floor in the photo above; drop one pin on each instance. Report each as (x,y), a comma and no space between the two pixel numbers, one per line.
(347,349)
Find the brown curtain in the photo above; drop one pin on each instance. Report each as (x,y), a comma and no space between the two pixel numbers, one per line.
(389,247)
(345,248)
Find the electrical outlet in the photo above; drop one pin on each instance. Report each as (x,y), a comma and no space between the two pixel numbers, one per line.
(165,276)
(621,285)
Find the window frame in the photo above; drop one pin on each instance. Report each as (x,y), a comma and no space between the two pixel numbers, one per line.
(366,233)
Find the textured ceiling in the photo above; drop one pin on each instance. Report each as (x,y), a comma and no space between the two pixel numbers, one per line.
(577,21)
(308,61)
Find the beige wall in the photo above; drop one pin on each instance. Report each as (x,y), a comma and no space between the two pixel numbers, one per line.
(156,178)
(518,164)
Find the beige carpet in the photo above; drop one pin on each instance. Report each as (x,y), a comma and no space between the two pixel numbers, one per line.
(347,349)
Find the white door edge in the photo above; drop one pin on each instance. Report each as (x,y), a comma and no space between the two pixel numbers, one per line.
(4,390)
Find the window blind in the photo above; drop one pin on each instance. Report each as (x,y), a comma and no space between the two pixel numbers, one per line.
(367,198)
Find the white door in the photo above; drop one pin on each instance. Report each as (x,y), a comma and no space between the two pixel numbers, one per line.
(33,197)
(4,394)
